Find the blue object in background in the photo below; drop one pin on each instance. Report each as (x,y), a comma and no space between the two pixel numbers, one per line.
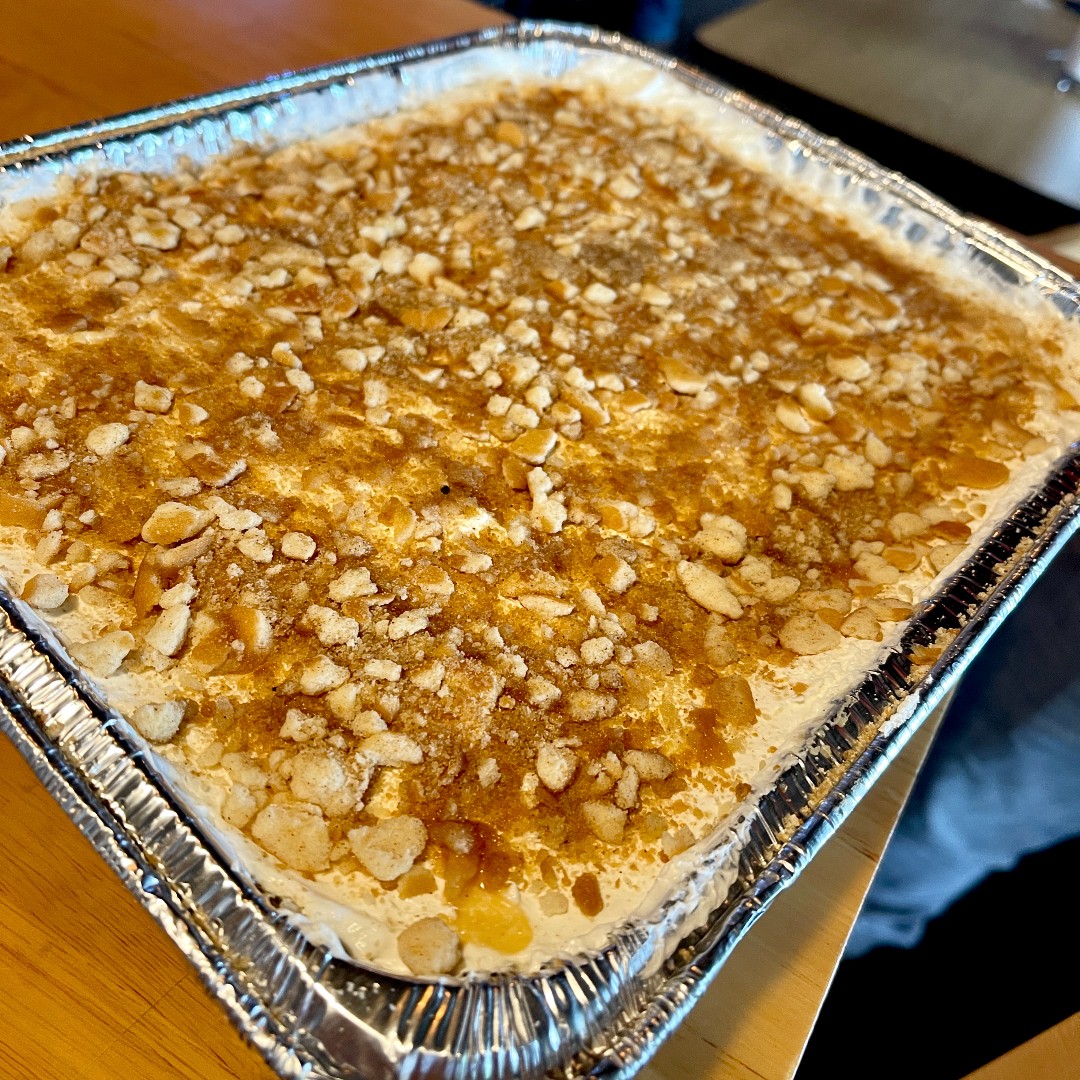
(1003,776)
(655,22)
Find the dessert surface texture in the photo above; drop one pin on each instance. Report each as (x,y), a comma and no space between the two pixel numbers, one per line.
(459,495)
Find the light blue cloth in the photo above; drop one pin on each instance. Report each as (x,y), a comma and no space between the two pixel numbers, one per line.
(1003,776)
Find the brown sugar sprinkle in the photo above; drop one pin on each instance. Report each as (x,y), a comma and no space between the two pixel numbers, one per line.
(586,893)
(467,467)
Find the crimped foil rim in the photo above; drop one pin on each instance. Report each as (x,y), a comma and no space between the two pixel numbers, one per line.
(520,1025)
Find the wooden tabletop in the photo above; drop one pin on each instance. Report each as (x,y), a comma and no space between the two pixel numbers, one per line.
(91,988)
(1050,1055)
(62,61)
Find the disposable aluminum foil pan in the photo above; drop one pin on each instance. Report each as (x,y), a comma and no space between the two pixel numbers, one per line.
(311,1013)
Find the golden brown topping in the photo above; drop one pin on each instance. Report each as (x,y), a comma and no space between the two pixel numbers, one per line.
(709,589)
(106,438)
(861,624)
(470,489)
(45,591)
(390,848)
(159,722)
(169,630)
(587,896)
(605,820)
(614,574)
(162,235)
(157,399)
(555,765)
(172,522)
(969,470)
(429,947)
(723,537)
(105,655)
(534,446)
(295,833)
(682,378)
(807,634)
(296,545)
(733,698)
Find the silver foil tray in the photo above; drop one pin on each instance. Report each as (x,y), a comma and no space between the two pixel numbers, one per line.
(312,1014)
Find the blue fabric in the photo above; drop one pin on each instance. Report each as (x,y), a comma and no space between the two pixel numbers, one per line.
(656,22)
(1003,777)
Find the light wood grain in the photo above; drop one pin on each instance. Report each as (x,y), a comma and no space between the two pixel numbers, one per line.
(1053,1054)
(755,1020)
(62,61)
(94,990)
(91,988)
